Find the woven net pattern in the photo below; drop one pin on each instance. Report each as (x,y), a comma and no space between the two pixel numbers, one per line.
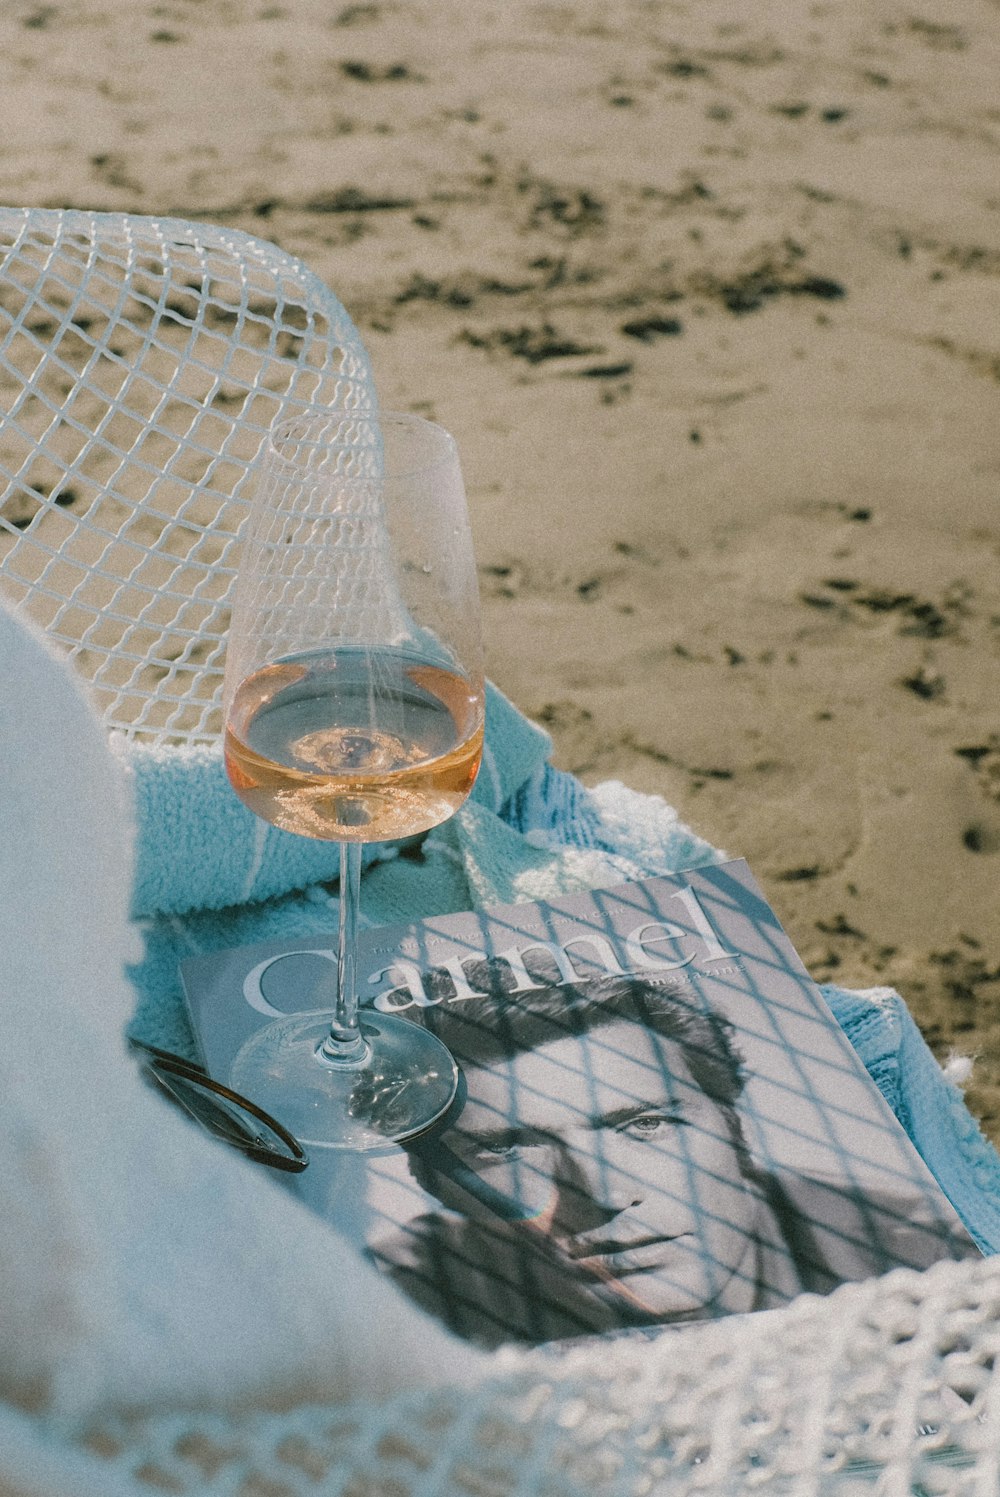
(889,1387)
(142,362)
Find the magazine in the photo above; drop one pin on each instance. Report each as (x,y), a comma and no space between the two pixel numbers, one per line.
(658,1121)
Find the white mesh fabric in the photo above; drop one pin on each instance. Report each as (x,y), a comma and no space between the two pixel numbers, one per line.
(888,1387)
(142,361)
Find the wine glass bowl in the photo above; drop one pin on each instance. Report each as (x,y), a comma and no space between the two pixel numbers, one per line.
(354,744)
(354,702)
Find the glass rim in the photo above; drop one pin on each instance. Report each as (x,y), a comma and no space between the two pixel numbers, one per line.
(284,427)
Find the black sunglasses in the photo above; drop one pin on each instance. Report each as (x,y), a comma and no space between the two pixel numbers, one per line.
(221,1111)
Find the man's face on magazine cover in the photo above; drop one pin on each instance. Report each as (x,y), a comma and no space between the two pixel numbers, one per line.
(604,1146)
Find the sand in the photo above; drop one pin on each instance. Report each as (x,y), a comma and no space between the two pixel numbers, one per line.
(709,295)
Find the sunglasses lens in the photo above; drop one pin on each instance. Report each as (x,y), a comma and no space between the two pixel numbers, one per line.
(227,1118)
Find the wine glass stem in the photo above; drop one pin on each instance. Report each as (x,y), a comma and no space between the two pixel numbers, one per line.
(345,1045)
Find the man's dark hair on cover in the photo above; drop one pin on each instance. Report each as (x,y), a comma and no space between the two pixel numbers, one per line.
(499,1023)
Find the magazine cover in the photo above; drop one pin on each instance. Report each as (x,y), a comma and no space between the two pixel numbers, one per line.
(658,1118)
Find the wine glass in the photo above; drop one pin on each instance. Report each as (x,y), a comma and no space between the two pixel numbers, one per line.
(354,705)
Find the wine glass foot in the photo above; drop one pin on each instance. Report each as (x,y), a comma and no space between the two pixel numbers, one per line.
(405,1083)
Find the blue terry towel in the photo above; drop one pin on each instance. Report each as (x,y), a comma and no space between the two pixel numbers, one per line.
(528,832)
(198,847)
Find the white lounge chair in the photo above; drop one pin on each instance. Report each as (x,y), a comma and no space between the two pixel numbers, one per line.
(118,516)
